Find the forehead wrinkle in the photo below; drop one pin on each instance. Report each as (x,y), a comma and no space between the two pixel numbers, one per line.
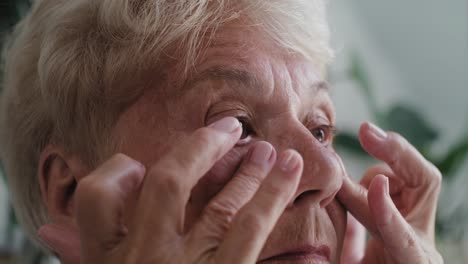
(235,75)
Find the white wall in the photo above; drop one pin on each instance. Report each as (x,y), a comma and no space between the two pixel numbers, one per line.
(427,42)
(350,34)
(417,53)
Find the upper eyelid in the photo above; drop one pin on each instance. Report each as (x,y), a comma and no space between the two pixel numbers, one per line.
(318,120)
(226,108)
(236,109)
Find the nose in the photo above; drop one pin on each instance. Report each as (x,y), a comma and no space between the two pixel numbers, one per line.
(322,175)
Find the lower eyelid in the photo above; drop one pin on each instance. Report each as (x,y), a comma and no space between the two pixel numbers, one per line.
(245,141)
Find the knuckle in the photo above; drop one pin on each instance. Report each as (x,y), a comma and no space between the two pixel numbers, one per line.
(432,175)
(253,175)
(360,190)
(221,213)
(165,181)
(120,158)
(409,241)
(181,163)
(272,190)
(436,176)
(89,190)
(400,146)
(251,222)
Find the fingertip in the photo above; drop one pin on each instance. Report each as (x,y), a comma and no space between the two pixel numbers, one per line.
(227,125)
(262,153)
(372,137)
(290,162)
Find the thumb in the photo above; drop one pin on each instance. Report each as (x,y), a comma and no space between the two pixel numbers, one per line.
(63,241)
(397,235)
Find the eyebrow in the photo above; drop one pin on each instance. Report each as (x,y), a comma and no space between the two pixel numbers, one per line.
(225,73)
(239,76)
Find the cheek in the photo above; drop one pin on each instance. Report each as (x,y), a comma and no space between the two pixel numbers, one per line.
(212,183)
(338,216)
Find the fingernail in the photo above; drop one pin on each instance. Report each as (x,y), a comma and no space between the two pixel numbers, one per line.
(226,125)
(289,161)
(377,132)
(387,187)
(261,153)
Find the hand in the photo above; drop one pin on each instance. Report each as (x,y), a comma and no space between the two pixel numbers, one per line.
(395,201)
(234,225)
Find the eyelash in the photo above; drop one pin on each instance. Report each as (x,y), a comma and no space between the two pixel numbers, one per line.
(248,132)
(330,132)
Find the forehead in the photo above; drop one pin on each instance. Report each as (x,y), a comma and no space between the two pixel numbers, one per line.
(246,55)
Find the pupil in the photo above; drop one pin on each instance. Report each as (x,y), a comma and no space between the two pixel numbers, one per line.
(245,129)
(320,135)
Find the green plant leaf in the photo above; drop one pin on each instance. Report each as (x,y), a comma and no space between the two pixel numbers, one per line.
(13,221)
(2,174)
(454,159)
(350,143)
(411,125)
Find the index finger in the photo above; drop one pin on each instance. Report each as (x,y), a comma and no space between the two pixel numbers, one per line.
(167,187)
(400,155)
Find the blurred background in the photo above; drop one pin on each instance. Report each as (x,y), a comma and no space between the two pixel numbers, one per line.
(400,64)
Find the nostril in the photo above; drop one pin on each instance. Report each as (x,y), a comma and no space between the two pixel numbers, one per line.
(310,196)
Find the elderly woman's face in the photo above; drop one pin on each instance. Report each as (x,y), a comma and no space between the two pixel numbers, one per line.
(279,98)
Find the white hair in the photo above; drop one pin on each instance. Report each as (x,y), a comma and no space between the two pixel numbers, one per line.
(72,67)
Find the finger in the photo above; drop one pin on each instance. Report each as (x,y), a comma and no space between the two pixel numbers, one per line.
(401,156)
(169,183)
(63,241)
(382,168)
(411,167)
(100,200)
(220,211)
(254,222)
(353,196)
(397,185)
(354,242)
(398,237)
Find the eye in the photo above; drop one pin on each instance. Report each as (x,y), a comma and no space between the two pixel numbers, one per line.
(323,134)
(247,131)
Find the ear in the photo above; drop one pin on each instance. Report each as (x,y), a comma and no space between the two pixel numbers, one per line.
(58,175)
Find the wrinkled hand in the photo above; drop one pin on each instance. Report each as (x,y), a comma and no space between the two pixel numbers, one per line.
(234,225)
(396,202)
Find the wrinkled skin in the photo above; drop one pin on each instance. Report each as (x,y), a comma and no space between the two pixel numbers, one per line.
(183,204)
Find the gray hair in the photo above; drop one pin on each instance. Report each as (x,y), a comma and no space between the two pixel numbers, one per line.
(71,66)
